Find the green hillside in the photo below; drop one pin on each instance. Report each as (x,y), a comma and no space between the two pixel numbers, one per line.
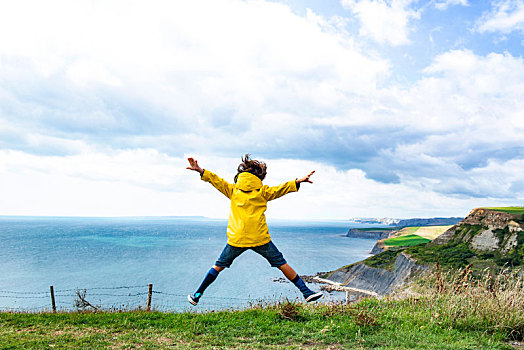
(509,210)
(406,241)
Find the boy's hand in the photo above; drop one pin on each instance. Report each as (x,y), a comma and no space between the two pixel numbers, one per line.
(306,178)
(193,165)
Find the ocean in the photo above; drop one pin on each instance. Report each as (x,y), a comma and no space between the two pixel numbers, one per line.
(114,260)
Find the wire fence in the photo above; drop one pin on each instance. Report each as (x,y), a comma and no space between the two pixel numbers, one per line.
(139,297)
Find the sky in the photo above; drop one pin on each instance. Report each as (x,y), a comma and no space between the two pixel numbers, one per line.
(403,108)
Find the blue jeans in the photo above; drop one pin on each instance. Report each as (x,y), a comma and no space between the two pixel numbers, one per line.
(268,251)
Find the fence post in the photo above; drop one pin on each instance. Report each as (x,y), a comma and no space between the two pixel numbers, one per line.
(149,295)
(53,298)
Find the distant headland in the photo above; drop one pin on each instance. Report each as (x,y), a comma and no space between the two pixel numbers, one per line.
(407,222)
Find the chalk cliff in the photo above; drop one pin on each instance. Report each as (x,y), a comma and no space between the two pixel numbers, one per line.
(486,230)
(378,280)
(378,247)
(369,233)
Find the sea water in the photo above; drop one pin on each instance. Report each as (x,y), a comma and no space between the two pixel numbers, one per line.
(114,260)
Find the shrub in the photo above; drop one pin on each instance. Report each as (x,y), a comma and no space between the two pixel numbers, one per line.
(288,310)
(453,254)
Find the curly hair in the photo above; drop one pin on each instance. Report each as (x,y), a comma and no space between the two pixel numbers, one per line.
(253,166)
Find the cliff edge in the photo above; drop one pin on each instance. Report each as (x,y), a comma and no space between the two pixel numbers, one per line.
(486,230)
(487,237)
(378,280)
(370,233)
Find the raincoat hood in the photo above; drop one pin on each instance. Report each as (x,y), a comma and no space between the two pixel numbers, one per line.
(248,182)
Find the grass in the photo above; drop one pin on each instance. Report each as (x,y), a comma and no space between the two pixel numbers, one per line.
(509,210)
(406,241)
(453,254)
(493,301)
(431,321)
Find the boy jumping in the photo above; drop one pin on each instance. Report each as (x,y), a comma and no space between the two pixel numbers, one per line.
(247,228)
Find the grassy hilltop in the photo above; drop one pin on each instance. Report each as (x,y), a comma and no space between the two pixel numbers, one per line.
(509,210)
(440,318)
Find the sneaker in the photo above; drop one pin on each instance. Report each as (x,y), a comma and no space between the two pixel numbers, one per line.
(194,298)
(313,297)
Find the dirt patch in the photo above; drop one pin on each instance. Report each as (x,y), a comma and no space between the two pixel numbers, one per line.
(26,330)
(78,332)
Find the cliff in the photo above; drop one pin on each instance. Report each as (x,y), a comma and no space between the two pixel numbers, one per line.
(377,280)
(429,221)
(379,247)
(407,222)
(374,221)
(370,233)
(486,230)
(485,238)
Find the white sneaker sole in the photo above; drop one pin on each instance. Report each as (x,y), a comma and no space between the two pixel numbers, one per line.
(191,300)
(314,297)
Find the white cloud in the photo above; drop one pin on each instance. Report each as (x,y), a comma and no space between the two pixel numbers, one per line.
(171,66)
(505,17)
(144,182)
(104,111)
(469,108)
(387,22)
(474,75)
(138,182)
(444,4)
(85,72)
(459,90)
(448,131)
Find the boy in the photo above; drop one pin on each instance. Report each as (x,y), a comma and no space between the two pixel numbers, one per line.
(247,228)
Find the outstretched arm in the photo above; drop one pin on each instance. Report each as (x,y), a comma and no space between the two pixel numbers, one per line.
(220,184)
(305,179)
(193,165)
(290,186)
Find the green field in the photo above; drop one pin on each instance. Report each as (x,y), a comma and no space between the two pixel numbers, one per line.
(510,210)
(371,229)
(380,324)
(405,241)
(410,230)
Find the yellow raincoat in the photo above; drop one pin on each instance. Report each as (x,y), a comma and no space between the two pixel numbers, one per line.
(247,225)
